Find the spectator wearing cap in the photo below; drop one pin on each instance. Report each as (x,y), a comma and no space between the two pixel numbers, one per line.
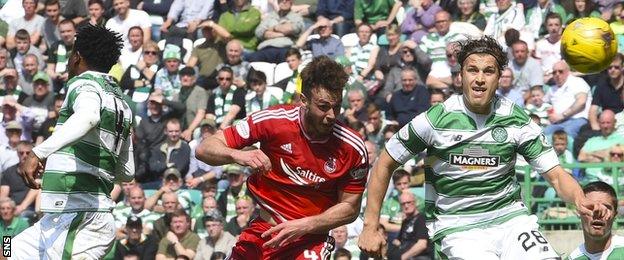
(245,212)
(260,96)
(167,79)
(322,43)
(42,100)
(172,182)
(180,240)
(171,153)
(136,241)
(199,171)
(217,240)
(11,225)
(127,17)
(59,53)
(12,186)
(278,30)
(11,87)
(29,68)
(170,203)
(136,201)
(195,99)
(226,201)
(150,133)
(13,111)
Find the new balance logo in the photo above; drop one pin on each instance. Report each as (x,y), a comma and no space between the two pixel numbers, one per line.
(287,147)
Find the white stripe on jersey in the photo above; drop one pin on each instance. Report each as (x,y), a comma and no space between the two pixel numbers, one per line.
(291,174)
(270,209)
(352,139)
(275,113)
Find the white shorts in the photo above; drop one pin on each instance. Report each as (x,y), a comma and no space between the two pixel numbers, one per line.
(517,238)
(80,235)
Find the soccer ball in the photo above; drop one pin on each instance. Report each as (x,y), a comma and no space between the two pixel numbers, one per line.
(588,45)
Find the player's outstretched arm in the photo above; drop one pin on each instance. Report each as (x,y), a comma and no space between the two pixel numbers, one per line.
(346,211)
(570,191)
(215,151)
(371,240)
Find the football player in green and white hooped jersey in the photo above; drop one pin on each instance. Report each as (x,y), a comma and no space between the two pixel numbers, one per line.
(89,150)
(472,204)
(600,242)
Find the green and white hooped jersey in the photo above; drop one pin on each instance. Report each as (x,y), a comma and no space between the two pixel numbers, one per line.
(614,252)
(79,177)
(469,169)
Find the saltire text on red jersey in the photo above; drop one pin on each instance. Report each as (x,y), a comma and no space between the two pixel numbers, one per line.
(306,175)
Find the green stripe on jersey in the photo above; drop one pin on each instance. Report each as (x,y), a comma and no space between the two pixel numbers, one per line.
(443,120)
(467,187)
(71,236)
(414,143)
(96,156)
(518,118)
(75,182)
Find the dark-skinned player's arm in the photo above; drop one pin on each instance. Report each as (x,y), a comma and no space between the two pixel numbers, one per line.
(372,240)
(344,212)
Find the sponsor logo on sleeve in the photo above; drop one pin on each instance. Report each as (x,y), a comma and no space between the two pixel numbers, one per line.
(242,127)
(404,132)
(358,173)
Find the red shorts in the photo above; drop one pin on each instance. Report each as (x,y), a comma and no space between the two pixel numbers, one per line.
(249,245)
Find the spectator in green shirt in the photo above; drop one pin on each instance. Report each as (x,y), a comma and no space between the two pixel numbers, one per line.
(241,22)
(10,224)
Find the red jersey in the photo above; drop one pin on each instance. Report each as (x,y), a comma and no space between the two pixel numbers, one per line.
(306,175)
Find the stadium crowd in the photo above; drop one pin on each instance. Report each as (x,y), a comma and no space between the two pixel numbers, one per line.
(193,67)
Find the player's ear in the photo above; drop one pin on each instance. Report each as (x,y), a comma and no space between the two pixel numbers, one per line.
(304,99)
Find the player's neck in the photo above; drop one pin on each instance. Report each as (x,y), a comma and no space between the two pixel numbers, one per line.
(593,246)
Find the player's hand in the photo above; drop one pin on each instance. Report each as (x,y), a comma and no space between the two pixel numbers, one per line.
(591,209)
(256,159)
(30,170)
(372,241)
(286,232)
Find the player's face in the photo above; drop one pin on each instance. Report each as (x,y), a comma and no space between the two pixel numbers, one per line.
(479,81)
(599,228)
(179,225)
(322,107)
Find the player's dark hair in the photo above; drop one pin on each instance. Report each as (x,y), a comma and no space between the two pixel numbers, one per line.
(22,35)
(100,47)
(323,72)
(293,51)
(256,77)
(484,45)
(600,186)
(399,174)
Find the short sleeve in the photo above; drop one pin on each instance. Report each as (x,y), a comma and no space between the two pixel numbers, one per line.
(355,179)
(410,140)
(535,149)
(246,132)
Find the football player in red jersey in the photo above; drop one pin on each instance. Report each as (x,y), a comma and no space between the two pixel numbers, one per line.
(309,173)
